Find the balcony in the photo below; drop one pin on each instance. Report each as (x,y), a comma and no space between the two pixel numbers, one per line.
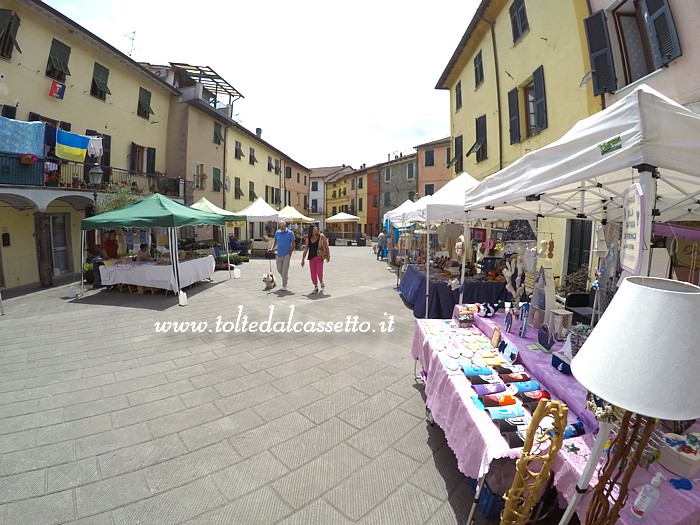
(64,174)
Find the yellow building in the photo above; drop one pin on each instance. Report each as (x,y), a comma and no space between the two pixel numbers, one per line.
(517,83)
(69,78)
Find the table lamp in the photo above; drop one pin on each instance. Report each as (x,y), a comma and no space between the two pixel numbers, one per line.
(641,358)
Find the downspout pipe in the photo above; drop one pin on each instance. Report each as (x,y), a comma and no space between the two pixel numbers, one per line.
(498,90)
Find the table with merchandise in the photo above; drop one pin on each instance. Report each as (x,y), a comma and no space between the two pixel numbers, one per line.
(446,355)
(152,274)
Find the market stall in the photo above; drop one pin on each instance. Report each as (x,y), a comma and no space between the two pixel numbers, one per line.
(260,211)
(154,274)
(154,211)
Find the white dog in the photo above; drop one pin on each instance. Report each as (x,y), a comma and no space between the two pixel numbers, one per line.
(269,281)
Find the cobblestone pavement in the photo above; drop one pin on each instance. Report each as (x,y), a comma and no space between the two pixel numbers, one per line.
(104,420)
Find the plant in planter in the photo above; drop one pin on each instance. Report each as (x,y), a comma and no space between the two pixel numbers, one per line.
(28,158)
(53,179)
(76,182)
(88,273)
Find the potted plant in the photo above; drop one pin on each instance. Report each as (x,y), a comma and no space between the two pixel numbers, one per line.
(76,182)
(53,179)
(88,273)
(28,158)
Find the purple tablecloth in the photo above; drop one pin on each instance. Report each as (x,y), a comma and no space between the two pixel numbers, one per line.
(476,441)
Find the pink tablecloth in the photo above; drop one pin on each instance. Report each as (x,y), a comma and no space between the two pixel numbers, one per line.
(476,441)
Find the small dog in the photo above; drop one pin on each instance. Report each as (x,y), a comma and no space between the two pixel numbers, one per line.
(269,281)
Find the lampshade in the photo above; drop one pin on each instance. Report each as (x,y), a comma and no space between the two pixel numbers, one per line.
(643,354)
(95,174)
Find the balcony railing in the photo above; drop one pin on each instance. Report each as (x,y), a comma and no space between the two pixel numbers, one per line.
(65,174)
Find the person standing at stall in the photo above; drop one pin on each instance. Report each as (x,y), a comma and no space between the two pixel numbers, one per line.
(316,247)
(285,244)
(110,247)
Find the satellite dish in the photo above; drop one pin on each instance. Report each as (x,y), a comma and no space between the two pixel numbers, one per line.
(227,183)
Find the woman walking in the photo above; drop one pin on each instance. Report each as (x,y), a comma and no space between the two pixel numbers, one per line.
(316,247)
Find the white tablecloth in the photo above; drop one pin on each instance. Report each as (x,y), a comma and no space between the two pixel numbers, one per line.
(158,276)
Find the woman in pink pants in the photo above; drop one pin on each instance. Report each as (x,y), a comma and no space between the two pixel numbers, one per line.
(316,247)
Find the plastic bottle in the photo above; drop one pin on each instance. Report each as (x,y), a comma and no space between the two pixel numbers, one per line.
(647,498)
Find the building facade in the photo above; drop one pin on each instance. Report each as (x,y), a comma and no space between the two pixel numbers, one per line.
(432,159)
(296,185)
(70,79)
(397,182)
(374,222)
(517,82)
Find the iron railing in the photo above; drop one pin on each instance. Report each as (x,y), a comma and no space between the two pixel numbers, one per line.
(16,171)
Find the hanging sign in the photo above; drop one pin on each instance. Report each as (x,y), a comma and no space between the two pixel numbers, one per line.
(632,230)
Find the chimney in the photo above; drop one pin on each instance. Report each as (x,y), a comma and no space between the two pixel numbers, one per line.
(388,156)
(258,132)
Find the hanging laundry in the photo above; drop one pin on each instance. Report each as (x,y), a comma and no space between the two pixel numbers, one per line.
(70,146)
(17,136)
(95,146)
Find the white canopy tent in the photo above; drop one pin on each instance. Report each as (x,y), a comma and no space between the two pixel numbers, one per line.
(259,211)
(585,173)
(412,214)
(206,205)
(399,210)
(342,217)
(291,214)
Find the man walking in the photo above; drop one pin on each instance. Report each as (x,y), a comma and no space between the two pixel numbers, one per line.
(381,243)
(285,242)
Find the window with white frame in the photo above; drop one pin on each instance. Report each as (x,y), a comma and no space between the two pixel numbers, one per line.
(199,176)
(387,175)
(410,171)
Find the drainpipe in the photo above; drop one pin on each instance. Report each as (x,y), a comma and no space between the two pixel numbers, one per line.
(498,91)
(223,183)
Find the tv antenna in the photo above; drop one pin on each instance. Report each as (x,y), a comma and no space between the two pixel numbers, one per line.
(131,36)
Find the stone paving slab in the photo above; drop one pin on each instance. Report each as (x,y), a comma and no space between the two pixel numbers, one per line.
(105,421)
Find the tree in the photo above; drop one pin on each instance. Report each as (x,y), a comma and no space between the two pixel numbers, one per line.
(117,196)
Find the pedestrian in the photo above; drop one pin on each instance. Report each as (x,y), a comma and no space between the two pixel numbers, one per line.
(110,246)
(285,243)
(316,247)
(381,243)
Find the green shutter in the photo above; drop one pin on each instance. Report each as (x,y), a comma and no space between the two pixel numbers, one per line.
(216,172)
(59,56)
(100,75)
(218,137)
(145,101)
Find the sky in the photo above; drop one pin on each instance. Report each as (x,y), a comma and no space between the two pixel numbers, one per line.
(329,83)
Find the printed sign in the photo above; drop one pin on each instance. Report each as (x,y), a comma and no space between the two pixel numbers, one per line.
(632,230)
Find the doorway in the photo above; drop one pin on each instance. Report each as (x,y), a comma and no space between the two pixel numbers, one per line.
(580,235)
(60,245)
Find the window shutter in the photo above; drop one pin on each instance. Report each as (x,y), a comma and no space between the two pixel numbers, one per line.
(132,157)
(603,68)
(150,160)
(514,116)
(90,132)
(65,126)
(9,111)
(33,117)
(540,99)
(513,11)
(662,30)
(522,16)
(106,150)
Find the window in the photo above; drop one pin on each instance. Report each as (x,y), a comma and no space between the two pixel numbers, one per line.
(387,198)
(218,137)
(306,202)
(9,111)
(238,192)
(141,158)
(278,168)
(298,177)
(144,107)
(100,76)
(239,150)
(334,210)
(458,95)
(9,24)
(314,205)
(359,204)
(429,189)
(410,171)
(288,173)
(314,185)
(251,157)
(429,158)
(270,165)
(216,176)
(251,191)
(57,66)
(304,180)
(535,104)
(479,146)
(387,175)
(352,184)
(277,195)
(478,70)
(647,40)
(376,179)
(518,19)
(198,176)
(374,201)
(333,195)
(456,161)
(514,116)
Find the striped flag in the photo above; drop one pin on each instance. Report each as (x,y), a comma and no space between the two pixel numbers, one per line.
(70,146)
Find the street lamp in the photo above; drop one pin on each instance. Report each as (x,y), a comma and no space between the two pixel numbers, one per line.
(95,175)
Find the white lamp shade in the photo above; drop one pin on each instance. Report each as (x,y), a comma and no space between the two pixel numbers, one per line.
(644,354)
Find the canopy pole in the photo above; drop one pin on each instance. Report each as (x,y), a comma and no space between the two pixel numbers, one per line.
(82,262)
(646,181)
(228,255)
(174,258)
(465,236)
(427,261)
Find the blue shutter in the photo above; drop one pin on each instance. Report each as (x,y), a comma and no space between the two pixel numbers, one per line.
(540,99)
(662,32)
(602,66)
(514,116)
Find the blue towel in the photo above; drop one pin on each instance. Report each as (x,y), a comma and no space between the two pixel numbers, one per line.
(18,136)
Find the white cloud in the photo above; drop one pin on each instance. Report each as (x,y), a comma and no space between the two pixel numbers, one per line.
(328,82)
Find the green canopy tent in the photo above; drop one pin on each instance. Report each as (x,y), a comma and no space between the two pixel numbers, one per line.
(154,211)
(206,205)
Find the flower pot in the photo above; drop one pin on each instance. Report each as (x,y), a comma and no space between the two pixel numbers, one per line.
(26,160)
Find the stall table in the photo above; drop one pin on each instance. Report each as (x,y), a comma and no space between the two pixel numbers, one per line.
(476,440)
(151,275)
(442,297)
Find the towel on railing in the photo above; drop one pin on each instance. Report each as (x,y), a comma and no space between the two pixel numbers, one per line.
(18,136)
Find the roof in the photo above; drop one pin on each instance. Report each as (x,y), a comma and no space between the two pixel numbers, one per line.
(96,42)
(209,79)
(446,140)
(471,29)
